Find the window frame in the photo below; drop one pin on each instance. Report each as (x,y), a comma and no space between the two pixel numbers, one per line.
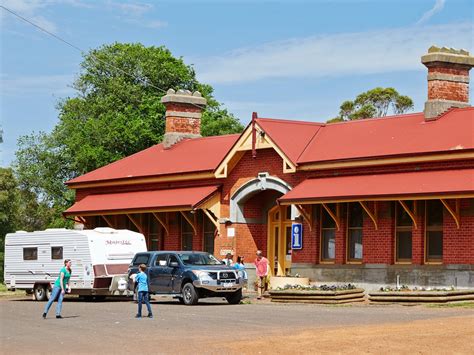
(350,260)
(402,229)
(183,220)
(205,222)
(321,238)
(152,236)
(433,229)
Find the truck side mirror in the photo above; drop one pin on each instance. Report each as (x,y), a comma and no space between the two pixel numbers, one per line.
(174,264)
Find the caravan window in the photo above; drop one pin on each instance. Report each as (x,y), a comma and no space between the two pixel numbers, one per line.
(30,253)
(57,253)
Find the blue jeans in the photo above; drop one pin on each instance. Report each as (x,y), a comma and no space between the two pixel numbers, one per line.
(143,297)
(56,293)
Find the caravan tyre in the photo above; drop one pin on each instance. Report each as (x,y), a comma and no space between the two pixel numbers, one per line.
(48,292)
(40,292)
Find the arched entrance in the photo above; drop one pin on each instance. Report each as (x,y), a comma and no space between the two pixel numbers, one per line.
(255,203)
(279,239)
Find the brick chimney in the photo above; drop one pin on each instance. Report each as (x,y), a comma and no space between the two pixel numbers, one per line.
(448,80)
(183,115)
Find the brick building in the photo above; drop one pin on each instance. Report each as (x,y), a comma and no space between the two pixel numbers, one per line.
(377,198)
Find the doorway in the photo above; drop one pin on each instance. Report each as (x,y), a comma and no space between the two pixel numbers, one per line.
(279,240)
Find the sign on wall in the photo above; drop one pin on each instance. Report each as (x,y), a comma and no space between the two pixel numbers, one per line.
(296,236)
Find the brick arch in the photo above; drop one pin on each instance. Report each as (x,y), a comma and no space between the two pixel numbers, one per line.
(263,182)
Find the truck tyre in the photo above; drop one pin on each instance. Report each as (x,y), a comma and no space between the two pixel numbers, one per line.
(40,292)
(235,297)
(190,296)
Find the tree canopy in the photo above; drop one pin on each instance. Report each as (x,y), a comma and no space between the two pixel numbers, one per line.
(377,102)
(115,112)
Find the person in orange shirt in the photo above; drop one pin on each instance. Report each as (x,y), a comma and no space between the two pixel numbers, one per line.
(261,268)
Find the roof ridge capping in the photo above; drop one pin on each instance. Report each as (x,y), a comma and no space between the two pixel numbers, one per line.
(285,120)
(389,117)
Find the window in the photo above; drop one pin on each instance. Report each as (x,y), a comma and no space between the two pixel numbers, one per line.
(434,231)
(173,259)
(56,253)
(355,221)
(154,233)
(209,229)
(161,259)
(30,253)
(141,259)
(186,235)
(288,249)
(403,231)
(328,236)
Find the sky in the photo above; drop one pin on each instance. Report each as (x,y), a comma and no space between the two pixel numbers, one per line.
(283,59)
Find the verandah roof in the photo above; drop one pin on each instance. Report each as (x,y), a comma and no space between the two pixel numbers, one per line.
(409,185)
(178,199)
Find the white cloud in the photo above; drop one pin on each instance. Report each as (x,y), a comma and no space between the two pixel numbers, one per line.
(371,52)
(156,24)
(42,84)
(32,9)
(134,9)
(438,6)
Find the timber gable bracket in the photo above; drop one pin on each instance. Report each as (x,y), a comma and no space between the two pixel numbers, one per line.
(244,144)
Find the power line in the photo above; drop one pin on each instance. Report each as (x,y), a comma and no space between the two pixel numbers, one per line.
(143,81)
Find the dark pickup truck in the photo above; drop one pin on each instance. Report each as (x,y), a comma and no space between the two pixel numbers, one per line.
(187,275)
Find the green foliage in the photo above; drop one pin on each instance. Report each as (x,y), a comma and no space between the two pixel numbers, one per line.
(377,102)
(9,204)
(112,115)
(9,208)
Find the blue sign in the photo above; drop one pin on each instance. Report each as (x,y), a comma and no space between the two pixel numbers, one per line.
(296,236)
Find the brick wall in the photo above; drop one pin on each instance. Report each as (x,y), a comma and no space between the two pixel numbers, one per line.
(448,90)
(378,245)
(458,244)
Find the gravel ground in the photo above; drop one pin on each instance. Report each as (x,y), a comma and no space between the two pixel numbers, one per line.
(214,326)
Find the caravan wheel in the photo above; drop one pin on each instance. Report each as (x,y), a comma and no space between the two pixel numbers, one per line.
(40,292)
(49,291)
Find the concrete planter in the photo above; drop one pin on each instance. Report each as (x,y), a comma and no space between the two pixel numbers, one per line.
(282,281)
(315,296)
(421,296)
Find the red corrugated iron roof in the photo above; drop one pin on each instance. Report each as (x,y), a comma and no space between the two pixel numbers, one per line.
(292,137)
(188,156)
(398,185)
(305,142)
(183,198)
(390,136)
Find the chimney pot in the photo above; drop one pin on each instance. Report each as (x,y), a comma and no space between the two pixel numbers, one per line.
(448,79)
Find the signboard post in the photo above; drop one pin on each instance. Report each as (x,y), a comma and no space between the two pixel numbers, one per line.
(296,236)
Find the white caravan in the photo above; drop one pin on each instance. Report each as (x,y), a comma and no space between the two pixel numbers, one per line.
(100,260)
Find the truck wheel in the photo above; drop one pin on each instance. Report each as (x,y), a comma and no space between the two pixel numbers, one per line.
(40,292)
(190,296)
(235,298)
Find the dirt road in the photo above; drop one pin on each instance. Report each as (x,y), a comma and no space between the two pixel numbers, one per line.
(217,328)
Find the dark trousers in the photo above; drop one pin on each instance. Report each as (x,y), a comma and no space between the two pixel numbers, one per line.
(143,298)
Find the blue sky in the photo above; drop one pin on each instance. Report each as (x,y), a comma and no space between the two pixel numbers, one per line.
(283,59)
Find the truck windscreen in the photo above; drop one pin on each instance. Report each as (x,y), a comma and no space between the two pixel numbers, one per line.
(199,259)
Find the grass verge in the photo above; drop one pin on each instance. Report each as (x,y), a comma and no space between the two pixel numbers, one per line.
(5,293)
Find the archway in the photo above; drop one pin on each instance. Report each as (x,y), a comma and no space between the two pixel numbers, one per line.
(263,182)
